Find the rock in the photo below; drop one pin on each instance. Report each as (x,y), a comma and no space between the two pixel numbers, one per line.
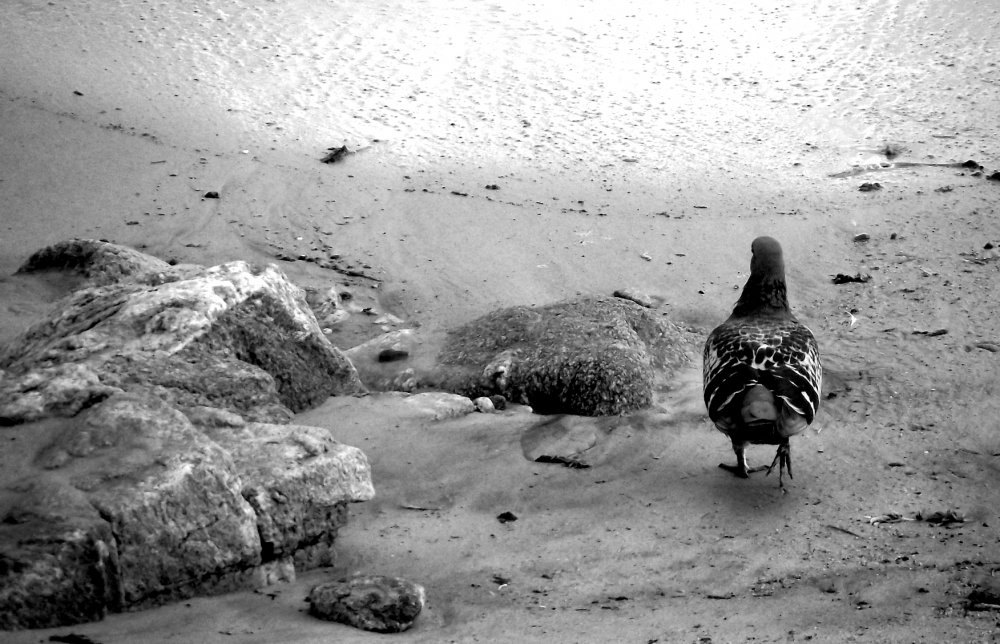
(441,405)
(993,177)
(869,186)
(379,360)
(642,299)
(298,480)
(161,498)
(327,306)
(58,564)
(62,390)
(484,405)
(380,604)
(230,336)
(499,402)
(136,506)
(591,357)
(99,262)
(150,476)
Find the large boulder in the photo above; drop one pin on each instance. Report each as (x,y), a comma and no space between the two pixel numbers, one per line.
(147,475)
(232,336)
(594,356)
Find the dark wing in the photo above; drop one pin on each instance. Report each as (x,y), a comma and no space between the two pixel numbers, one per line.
(781,355)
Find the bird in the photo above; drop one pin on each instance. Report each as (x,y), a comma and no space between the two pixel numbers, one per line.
(762,369)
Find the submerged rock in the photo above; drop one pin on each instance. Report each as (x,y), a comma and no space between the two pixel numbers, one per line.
(380,604)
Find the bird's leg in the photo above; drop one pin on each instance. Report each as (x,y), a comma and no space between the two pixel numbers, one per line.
(783,459)
(740,469)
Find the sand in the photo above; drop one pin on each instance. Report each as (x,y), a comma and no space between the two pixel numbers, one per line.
(631,144)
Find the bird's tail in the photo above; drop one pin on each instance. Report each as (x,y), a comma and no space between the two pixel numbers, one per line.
(759,405)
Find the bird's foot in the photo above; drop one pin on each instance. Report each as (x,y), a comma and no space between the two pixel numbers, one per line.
(783,459)
(739,470)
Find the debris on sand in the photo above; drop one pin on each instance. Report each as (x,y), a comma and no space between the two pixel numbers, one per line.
(892,150)
(985,596)
(336,154)
(841,278)
(940,518)
(932,334)
(891,517)
(573,462)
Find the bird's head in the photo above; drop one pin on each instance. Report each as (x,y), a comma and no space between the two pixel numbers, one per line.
(767,260)
(765,290)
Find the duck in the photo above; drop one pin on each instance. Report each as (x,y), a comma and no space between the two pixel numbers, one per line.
(762,369)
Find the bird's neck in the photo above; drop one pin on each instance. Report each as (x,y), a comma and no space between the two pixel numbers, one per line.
(763,295)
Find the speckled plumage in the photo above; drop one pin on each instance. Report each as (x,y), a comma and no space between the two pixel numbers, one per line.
(762,371)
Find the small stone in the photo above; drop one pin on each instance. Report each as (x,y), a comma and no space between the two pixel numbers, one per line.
(635,296)
(484,405)
(994,177)
(211,194)
(375,603)
(862,237)
(869,187)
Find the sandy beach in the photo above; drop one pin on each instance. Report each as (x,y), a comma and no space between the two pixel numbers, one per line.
(520,152)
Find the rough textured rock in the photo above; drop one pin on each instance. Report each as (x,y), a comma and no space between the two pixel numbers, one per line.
(251,324)
(149,479)
(379,604)
(99,262)
(395,374)
(297,480)
(592,356)
(58,564)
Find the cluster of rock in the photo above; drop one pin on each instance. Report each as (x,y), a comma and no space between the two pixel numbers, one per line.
(156,401)
(151,412)
(592,356)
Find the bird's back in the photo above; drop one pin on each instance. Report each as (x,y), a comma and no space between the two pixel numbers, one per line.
(776,352)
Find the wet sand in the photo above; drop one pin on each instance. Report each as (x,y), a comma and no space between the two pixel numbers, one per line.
(630,145)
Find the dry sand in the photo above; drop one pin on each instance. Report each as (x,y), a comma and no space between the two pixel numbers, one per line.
(678,131)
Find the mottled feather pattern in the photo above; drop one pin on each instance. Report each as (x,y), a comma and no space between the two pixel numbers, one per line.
(780,354)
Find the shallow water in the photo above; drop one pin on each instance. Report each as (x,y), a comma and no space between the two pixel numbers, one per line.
(625,90)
